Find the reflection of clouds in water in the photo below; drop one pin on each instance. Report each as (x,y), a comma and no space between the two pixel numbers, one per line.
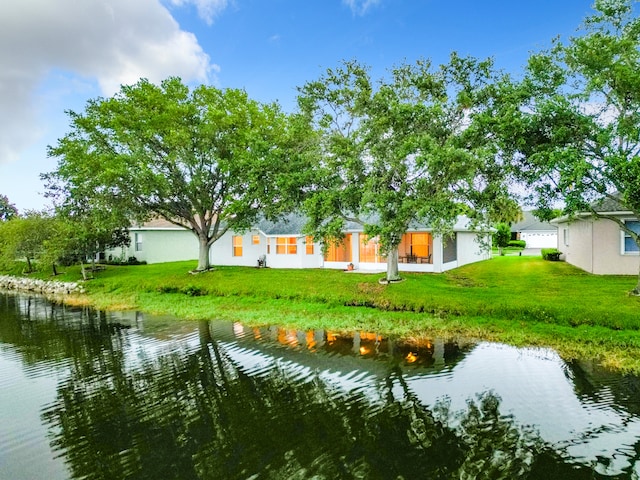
(260,364)
(535,389)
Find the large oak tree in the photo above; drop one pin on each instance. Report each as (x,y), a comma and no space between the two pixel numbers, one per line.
(572,124)
(406,150)
(206,159)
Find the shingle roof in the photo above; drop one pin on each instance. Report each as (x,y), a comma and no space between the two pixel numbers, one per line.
(608,204)
(293,223)
(531,223)
(156,223)
(289,225)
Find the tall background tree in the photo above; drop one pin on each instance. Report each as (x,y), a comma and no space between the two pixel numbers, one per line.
(412,149)
(7,209)
(208,160)
(572,124)
(24,239)
(501,236)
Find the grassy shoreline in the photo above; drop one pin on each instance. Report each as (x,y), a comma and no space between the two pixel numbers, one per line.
(523,301)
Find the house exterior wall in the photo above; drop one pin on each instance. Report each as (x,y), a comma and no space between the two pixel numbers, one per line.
(470,249)
(596,247)
(222,252)
(575,241)
(608,255)
(299,260)
(159,245)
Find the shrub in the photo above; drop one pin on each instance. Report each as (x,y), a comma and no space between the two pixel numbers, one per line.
(135,261)
(502,235)
(551,254)
(517,243)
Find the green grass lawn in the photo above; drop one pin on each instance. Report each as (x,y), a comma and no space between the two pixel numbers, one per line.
(506,250)
(519,300)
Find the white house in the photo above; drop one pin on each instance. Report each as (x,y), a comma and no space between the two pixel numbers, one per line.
(598,245)
(536,233)
(282,245)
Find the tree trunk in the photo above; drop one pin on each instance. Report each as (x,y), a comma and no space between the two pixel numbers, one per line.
(83,270)
(29,268)
(55,270)
(392,265)
(203,254)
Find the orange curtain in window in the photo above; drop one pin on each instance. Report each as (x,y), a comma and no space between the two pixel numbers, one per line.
(340,252)
(286,246)
(292,245)
(369,250)
(420,244)
(309,245)
(237,246)
(416,244)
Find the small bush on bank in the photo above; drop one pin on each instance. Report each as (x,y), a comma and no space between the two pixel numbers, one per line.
(517,243)
(122,261)
(551,254)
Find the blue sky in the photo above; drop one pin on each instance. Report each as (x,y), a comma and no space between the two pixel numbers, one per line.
(54,56)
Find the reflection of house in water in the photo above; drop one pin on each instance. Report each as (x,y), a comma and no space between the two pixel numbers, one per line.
(367,351)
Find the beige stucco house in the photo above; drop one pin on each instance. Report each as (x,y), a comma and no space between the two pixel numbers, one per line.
(598,245)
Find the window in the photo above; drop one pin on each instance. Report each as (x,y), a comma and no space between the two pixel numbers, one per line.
(420,244)
(268,246)
(416,247)
(138,242)
(370,250)
(340,252)
(565,236)
(629,244)
(309,244)
(237,246)
(255,239)
(450,248)
(286,246)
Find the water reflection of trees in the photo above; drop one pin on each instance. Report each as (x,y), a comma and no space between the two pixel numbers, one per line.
(44,331)
(196,414)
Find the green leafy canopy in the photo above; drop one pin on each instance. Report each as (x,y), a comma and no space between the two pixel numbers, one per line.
(205,159)
(413,148)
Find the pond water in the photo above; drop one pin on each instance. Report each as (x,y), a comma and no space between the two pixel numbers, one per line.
(85,394)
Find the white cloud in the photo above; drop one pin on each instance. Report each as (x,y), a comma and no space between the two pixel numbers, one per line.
(111,42)
(208,10)
(360,7)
